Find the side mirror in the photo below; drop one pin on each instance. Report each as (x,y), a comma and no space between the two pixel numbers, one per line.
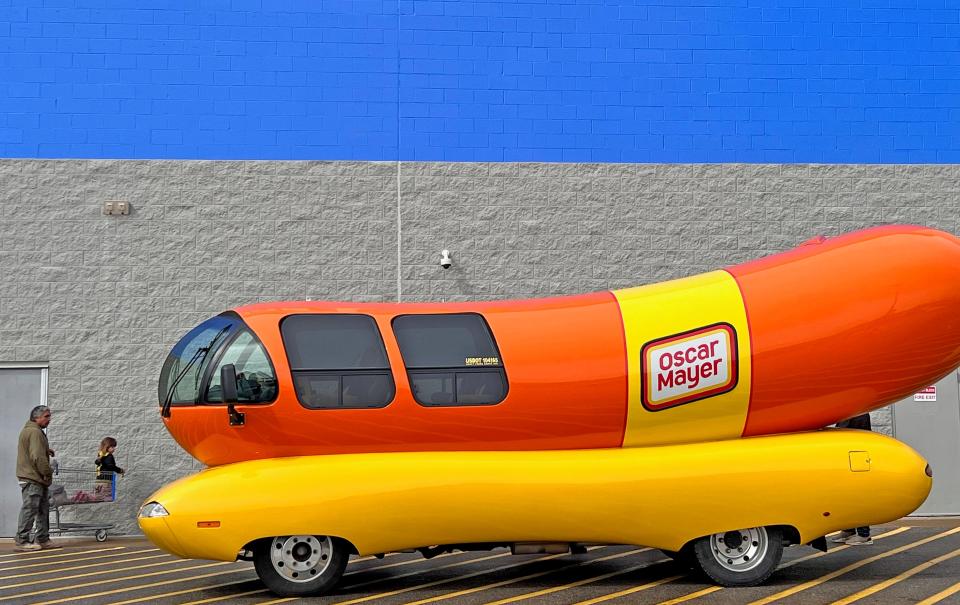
(228,382)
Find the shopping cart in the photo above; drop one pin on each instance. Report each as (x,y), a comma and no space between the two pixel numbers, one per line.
(72,487)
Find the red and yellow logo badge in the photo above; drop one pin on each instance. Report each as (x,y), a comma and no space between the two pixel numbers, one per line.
(689,366)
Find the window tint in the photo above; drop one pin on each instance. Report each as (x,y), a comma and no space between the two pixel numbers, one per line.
(318,391)
(478,388)
(256,380)
(445,341)
(451,359)
(361,390)
(433,389)
(337,361)
(328,390)
(333,342)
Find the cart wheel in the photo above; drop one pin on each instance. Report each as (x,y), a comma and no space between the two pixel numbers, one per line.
(744,557)
(101,535)
(300,565)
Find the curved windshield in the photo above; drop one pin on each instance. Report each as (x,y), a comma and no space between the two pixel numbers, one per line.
(183,371)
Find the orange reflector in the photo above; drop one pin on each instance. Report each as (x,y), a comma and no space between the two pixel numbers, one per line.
(208,524)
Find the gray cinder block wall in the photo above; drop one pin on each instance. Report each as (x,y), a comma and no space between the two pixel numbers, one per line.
(103,298)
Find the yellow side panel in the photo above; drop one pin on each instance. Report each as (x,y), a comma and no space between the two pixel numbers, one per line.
(658,496)
(688,357)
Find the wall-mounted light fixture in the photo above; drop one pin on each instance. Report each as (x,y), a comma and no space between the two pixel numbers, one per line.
(445,260)
(116,207)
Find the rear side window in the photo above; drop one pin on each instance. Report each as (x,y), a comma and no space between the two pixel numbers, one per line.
(451,359)
(337,361)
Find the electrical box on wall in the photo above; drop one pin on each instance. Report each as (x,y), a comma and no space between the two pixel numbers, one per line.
(116,207)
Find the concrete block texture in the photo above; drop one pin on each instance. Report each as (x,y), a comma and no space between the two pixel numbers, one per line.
(103,298)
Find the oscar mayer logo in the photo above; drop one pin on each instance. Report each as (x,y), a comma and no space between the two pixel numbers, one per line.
(689,366)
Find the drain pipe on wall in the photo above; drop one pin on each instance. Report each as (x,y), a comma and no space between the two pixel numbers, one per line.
(399,239)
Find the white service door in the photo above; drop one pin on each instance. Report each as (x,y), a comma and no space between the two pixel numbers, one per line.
(21,389)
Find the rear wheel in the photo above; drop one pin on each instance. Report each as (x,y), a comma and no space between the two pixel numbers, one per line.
(300,565)
(744,557)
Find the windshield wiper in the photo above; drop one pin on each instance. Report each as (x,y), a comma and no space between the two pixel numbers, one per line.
(199,356)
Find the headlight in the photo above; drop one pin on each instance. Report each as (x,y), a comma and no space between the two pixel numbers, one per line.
(152,509)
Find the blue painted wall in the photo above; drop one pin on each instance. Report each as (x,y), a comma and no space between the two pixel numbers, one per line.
(538,80)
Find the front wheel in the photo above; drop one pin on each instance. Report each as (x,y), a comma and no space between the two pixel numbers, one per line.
(744,557)
(293,566)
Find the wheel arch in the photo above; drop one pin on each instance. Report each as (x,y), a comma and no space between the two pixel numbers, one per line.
(250,546)
(791,535)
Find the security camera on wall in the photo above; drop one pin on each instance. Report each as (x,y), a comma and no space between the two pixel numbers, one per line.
(445,261)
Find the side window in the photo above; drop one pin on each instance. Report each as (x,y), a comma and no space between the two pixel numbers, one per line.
(451,359)
(337,361)
(256,379)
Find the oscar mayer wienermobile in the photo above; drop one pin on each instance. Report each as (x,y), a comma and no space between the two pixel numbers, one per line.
(683,416)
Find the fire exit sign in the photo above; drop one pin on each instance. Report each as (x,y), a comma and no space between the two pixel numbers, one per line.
(927,394)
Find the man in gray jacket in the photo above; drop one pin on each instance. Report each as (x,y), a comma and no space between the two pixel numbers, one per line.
(35,476)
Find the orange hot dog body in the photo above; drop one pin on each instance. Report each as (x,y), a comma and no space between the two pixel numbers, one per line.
(832,329)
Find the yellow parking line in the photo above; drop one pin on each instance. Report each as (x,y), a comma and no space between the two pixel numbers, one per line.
(414,573)
(93,573)
(619,572)
(73,586)
(156,597)
(539,574)
(119,554)
(817,555)
(712,589)
(180,592)
(76,567)
(141,586)
(22,555)
(839,572)
(434,583)
(225,597)
(623,593)
(199,588)
(943,594)
(402,563)
(692,595)
(890,582)
(438,567)
(37,556)
(597,600)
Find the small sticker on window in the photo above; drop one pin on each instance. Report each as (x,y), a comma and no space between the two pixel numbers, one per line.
(482,361)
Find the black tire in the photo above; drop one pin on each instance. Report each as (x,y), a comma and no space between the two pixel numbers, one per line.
(745,557)
(296,566)
(101,535)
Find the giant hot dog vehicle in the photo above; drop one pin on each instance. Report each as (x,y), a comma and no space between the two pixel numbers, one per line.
(685,416)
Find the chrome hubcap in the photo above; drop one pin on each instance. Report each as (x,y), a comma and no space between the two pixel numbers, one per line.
(301,558)
(740,550)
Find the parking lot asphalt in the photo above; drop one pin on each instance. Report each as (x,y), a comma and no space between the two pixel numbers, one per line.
(914,561)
